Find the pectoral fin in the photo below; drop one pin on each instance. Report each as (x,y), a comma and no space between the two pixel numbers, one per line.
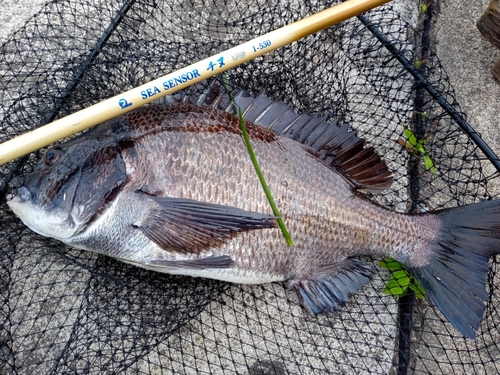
(331,287)
(188,226)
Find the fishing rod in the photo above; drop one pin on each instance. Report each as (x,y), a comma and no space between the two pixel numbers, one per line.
(170,83)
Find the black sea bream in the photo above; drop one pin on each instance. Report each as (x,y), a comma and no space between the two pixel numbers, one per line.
(171,188)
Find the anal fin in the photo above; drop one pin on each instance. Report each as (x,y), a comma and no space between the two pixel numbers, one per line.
(330,290)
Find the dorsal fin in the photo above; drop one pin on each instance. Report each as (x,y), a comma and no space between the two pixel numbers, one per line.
(334,144)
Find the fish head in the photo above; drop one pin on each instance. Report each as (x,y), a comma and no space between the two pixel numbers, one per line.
(69,186)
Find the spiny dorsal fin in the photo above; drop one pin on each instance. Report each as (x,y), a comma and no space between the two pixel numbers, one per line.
(333,144)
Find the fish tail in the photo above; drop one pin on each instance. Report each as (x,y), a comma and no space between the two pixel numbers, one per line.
(455,271)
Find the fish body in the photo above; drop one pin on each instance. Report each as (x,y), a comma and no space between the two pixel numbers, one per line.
(171,188)
(319,207)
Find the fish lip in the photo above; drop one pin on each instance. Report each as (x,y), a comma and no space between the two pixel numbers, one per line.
(11,197)
(21,196)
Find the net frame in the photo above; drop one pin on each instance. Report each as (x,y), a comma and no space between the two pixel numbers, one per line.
(207,325)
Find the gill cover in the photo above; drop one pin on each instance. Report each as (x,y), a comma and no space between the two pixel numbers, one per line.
(102,175)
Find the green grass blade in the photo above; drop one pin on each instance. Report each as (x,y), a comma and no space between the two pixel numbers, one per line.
(263,180)
(255,163)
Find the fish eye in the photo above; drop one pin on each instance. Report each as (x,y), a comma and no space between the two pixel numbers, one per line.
(52,155)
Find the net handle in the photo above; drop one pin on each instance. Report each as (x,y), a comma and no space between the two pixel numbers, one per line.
(170,83)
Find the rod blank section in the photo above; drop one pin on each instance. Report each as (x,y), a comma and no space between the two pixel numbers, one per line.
(180,79)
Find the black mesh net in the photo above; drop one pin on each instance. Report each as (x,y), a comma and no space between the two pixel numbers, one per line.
(67,311)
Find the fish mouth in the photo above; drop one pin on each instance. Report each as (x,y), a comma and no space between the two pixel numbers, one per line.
(22,195)
(39,219)
(16,190)
(10,197)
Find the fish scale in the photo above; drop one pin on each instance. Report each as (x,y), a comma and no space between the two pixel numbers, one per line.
(171,188)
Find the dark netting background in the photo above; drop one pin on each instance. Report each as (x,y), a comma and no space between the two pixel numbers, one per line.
(65,311)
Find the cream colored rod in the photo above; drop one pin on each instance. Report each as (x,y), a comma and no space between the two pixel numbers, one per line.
(112,107)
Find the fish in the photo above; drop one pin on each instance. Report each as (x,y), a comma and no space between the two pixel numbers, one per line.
(170,187)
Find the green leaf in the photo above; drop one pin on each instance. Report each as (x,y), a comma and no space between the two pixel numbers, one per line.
(419,146)
(400,280)
(418,289)
(429,164)
(396,291)
(402,277)
(391,264)
(410,136)
(394,287)
(424,8)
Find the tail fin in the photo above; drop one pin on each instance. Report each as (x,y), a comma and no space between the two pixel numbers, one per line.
(455,276)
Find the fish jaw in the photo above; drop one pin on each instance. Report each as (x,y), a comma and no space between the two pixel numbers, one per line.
(56,224)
